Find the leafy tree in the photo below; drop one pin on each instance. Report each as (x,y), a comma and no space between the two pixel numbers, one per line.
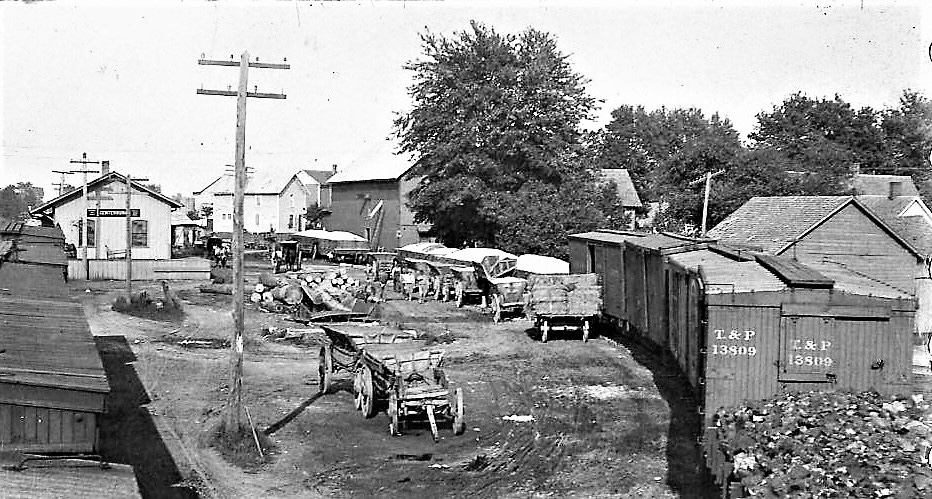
(496,119)
(908,134)
(16,199)
(207,211)
(153,187)
(194,215)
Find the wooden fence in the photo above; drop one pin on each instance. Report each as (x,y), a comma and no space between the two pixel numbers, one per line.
(143,270)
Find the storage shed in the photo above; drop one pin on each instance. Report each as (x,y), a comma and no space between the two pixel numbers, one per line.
(52,382)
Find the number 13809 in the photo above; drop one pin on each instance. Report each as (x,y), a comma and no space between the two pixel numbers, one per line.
(734,350)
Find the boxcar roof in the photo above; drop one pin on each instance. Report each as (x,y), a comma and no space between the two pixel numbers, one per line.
(851,282)
(645,239)
(68,478)
(725,275)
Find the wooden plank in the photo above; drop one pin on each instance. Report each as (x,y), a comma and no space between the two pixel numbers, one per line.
(19,424)
(55,426)
(42,424)
(30,424)
(67,426)
(6,424)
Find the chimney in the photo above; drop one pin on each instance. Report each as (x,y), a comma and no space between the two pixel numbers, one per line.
(104,167)
(895,189)
(334,168)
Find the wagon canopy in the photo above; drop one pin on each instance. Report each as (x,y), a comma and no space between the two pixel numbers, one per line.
(328,241)
(539,264)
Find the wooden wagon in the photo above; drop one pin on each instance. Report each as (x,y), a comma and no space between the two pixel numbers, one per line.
(564,302)
(507,294)
(466,284)
(443,281)
(394,370)
(380,264)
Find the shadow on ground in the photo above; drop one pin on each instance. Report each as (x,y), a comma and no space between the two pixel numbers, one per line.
(127,433)
(686,474)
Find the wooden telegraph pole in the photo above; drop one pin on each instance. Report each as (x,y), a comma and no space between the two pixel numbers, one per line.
(84,162)
(233,421)
(707,178)
(129,234)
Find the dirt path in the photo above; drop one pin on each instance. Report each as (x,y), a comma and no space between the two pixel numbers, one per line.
(601,418)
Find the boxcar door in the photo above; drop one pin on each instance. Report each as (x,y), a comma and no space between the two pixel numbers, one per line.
(808,349)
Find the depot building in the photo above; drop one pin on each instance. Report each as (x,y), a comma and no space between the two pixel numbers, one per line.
(105,210)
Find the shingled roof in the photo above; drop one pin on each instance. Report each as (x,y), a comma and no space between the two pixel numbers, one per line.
(770,224)
(626,191)
(879,185)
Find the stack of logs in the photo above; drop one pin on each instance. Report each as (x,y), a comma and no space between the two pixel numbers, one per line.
(329,290)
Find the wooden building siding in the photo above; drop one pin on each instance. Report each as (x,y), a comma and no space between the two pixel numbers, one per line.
(143,270)
(852,239)
(111,231)
(351,203)
(43,429)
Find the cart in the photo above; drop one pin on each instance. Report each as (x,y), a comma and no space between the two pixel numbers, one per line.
(395,370)
(563,302)
(507,295)
(288,258)
(444,281)
(466,284)
(380,265)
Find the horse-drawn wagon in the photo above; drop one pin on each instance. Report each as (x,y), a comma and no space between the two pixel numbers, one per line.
(394,370)
(563,302)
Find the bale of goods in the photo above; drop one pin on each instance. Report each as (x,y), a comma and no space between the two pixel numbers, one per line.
(827,444)
(564,294)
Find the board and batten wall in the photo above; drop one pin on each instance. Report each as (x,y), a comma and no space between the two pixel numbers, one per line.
(111,231)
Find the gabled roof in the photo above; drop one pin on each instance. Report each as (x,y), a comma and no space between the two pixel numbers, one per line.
(319,176)
(103,179)
(270,182)
(879,185)
(915,229)
(774,224)
(626,191)
(375,165)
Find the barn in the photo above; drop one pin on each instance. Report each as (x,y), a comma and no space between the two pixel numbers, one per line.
(369,199)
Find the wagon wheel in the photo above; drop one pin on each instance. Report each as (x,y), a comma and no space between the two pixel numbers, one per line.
(496,308)
(459,296)
(357,390)
(393,427)
(366,393)
(325,370)
(544,331)
(459,421)
(585,330)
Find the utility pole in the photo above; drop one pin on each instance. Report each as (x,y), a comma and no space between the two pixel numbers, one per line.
(61,185)
(84,162)
(129,234)
(233,421)
(707,178)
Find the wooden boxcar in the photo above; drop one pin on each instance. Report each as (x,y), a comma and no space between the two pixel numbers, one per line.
(53,387)
(745,326)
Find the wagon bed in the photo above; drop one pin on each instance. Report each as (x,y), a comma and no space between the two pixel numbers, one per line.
(563,302)
(394,369)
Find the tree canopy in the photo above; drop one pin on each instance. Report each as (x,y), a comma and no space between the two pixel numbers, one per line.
(495,130)
(16,199)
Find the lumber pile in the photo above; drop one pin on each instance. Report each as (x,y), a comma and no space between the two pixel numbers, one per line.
(316,291)
(564,294)
(829,444)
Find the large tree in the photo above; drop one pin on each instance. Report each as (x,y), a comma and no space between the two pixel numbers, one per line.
(17,199)
(495,119)
(908,135)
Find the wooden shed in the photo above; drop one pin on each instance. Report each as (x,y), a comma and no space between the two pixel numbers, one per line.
(52,382)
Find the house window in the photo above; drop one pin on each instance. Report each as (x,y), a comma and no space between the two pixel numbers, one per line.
(91,233)
(140,233)
(291,200)
(290,221)
(258,201)
(257,217)
(590,264)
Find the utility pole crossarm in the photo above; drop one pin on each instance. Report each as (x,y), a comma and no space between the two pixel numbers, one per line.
(262,65)
(234,93)
(707,178)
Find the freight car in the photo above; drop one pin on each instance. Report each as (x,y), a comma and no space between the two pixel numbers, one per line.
(744,326)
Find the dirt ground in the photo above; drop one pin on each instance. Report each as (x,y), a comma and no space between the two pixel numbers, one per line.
(610,418)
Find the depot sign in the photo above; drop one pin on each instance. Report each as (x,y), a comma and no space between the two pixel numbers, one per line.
(116,212)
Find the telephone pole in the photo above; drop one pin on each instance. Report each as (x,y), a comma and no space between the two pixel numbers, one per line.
(61,185)
(707,178)
(233,417)
(129,234)
(84,162)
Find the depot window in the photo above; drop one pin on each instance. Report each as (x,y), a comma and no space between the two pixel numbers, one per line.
(140,233)
(91,233)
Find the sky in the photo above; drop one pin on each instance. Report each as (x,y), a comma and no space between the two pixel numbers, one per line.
(119,82)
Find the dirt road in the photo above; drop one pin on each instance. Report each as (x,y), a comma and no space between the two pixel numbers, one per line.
(609,418)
